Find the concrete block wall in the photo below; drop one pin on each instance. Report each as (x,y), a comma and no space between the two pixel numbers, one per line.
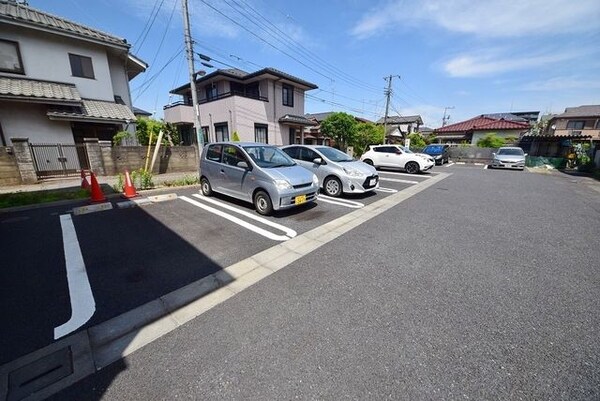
(169,160)
(471,154)
(9,171)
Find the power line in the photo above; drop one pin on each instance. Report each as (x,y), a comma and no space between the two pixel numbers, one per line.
(156,75)
(145,34)
(284,38)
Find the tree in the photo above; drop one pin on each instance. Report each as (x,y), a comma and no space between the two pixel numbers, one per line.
(417,140)
(366,134)
(491,141)
(144,126)
(341,127)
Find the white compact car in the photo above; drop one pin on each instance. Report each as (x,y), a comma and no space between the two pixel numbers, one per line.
(395,156)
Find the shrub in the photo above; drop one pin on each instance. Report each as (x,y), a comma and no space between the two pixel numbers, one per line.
(491,141)
(120,136)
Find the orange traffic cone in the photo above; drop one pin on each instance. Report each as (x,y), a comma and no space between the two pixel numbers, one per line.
(130,191)
(97,195)
(84,182)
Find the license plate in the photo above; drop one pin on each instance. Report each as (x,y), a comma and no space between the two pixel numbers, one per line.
(300,199)
(372,182)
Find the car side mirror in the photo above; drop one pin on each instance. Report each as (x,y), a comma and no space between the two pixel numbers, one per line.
(525,155)
(494,154)
(243,164)
(318,160)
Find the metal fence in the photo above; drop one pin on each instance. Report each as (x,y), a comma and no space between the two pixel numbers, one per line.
(58,160)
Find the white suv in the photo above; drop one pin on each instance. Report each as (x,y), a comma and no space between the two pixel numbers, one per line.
(395,156)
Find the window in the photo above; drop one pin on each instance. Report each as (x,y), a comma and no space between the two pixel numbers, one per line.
(288,95)
(10,57)
(261,133)
(232,156)
(386,149)
(293,152)
(221,132)
(211,92)
(119,100)
(81,66)
(308,155)
(214,153)
(572,124)
(205,133)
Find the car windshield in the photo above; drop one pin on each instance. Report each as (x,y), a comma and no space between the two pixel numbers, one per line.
(268,156)
(434,149)
(334,155)
(511,152)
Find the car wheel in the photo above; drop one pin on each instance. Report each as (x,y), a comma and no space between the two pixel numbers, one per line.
(332,186)
(262,203)
(412,167)
(368,161)
(205,187)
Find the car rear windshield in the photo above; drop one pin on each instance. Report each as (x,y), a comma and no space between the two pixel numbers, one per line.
(269,156)
(511,152)
(334,155)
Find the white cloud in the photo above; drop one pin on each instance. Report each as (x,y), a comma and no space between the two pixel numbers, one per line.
(491,18)
(496,61)
(562,84)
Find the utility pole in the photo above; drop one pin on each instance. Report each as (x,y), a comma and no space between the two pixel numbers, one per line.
(445,119)
(189,46)
(388,93)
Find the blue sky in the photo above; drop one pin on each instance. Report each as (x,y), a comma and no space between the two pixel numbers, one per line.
(478,57)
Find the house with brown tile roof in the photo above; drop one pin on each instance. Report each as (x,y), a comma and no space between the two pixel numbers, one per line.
(470,131)
(61,81)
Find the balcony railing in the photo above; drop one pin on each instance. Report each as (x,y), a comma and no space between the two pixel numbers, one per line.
(218,97)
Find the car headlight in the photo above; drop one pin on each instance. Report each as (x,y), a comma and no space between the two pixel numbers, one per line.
(315,180)
(283,184)
(352,172)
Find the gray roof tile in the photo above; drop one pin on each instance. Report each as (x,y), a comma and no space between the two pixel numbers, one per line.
(96,110)
(32,88)
(14,13)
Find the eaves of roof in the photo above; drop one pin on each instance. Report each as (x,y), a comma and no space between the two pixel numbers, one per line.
(96,110)
(18,14)
(244,76)
(37,90)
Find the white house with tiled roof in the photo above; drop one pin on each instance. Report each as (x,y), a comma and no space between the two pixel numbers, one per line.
(264,106)
(61,81)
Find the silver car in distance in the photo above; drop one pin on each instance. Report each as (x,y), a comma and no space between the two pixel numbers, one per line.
(337,172)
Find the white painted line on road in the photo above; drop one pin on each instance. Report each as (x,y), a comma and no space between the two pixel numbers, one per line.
(92,208)
(449,164)
(242,223)
(478,164)
(288,231)
(485,167)
(460,163)
(339,201)
(406,174)
(387,190)
(83,304)
(397,180)
(185,304)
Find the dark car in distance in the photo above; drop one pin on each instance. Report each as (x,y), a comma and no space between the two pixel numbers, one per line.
(438,152)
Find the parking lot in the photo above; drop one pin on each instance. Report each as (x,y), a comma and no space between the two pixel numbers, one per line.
(132,256)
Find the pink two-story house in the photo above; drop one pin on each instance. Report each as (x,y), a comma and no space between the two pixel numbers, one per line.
(264,106)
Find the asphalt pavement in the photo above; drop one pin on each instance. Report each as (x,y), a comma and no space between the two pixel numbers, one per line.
(483,286)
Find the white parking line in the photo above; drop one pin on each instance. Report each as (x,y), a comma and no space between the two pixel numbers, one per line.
(406,174)
(341,202)
(449,164)
(485,167)
(387,190)
(289,232)
(83,304)
(397,180)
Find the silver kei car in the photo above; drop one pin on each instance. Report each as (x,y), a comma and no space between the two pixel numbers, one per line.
(337,172)
(258,173)
(509,157)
